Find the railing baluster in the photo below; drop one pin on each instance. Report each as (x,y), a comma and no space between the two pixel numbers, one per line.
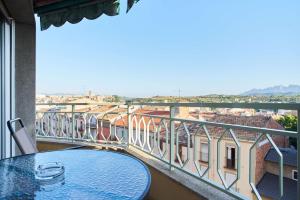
(172,137)
(129,132)
(73,122)
(280,164)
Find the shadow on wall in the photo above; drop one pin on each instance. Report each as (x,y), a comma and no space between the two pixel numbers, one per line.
(165,188)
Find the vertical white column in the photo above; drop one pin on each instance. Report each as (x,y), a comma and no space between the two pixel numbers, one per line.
(7,90)
(298,153)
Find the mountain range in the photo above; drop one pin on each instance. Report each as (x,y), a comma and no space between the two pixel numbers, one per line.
(290,90)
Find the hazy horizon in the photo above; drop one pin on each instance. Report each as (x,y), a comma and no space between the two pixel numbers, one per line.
(161,47)
(94,93)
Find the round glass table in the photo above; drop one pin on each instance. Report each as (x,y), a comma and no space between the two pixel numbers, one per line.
(88,174)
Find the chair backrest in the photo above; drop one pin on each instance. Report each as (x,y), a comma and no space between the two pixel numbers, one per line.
(22,138)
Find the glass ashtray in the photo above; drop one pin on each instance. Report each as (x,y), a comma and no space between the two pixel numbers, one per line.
(49,171)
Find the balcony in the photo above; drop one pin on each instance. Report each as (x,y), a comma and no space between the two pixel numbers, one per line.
(159,135)
(162,135)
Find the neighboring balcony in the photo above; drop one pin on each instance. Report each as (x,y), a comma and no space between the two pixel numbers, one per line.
(216,153)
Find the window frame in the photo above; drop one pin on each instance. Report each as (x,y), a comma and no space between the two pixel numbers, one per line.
(201,159)
(293,175)
(7,85)
(233,164)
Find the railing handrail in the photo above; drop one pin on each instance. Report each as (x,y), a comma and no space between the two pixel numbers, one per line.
(79,104)
(266,106)
(227,125)
(271,106)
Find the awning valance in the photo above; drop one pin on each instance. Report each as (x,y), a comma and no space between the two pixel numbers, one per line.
(57,12)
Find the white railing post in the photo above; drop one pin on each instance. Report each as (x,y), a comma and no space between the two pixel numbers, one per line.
(172,137)
(73,122)
(129,132)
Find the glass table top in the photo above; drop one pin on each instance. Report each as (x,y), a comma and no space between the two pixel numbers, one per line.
(88,174)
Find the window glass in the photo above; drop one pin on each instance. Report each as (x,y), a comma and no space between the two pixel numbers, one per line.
(204,152)
(295,175)
(230,160)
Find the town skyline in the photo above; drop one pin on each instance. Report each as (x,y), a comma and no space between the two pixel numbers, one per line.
(279,90)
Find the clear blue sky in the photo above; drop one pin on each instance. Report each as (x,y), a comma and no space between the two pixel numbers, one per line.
(199,46)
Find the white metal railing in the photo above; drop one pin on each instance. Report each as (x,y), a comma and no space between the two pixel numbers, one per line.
(169,139)
(73,124)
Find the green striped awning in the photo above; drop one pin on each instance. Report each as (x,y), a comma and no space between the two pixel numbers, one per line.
(130,4)
(58,12)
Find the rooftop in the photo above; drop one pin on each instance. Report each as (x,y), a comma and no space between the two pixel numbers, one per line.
(289,156)
(268,187)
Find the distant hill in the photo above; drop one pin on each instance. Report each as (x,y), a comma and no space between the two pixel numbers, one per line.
(290,90)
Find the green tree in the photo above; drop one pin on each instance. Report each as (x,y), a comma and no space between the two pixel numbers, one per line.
(116,98)
(289,122)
